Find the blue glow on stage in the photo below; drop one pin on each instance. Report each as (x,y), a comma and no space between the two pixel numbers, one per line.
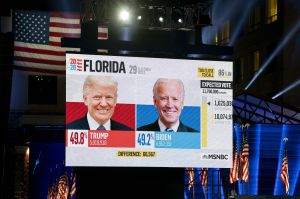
(265,157)
(254,161)
(293,157)
(216,190)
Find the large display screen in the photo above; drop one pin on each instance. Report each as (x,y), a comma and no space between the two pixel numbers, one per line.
(148,112)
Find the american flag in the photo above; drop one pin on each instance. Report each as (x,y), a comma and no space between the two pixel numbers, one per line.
(190,172)
(204,176)
(233,176)
(284,172)
(245,157)
(51,190)
(73,185)
(37,39)
(63,187)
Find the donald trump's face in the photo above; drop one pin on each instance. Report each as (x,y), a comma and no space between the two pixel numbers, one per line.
(101,101)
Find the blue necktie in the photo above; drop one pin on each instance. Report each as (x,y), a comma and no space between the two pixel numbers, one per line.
(169,130)
(101,127)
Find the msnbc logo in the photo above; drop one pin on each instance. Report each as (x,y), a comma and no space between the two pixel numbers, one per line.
(214,156)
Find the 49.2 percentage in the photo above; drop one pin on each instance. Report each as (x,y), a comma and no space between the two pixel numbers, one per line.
(77,137)
(145,139)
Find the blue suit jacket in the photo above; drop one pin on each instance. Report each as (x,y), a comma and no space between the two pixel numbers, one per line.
(155,127)
(83,124)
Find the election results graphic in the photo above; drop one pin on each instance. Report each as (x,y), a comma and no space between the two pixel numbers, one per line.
(152,112)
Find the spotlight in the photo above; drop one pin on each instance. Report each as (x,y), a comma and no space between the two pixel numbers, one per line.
(124,15)
(142,16)
(177,17)
(291,86)
(160,16)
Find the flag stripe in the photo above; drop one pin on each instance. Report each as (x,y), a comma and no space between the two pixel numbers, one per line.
(191,177)
(64,30)
(102,35)
(244,157)
(43,47)
(234,171)
(63,187)
(73,185)
(20,49)
(40,61)
(54,43)
(55,39)
(204,176)
(20,54)
(284,172)
(59,34)
(63,25)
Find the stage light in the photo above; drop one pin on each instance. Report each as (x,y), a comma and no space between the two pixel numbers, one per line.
(161,19)
(177,17)
(275,52)
(142,16)
(124,15)
(291,86)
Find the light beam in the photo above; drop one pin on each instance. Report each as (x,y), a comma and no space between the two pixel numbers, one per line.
(293,85)
(276,51)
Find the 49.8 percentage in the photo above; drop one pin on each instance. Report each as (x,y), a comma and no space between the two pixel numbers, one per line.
(77,138)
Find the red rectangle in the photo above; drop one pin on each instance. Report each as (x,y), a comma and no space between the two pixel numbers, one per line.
(111,139)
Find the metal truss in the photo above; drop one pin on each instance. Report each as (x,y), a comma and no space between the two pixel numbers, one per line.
(251,108)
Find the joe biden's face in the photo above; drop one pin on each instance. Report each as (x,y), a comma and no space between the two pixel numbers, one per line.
(169,101)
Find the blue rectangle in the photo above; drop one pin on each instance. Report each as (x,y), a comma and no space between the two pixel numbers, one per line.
(190,115)
(177,140)
(31,27)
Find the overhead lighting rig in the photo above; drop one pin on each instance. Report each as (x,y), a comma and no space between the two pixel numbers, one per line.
(153,14)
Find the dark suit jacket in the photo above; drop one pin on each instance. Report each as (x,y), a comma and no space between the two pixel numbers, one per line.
(83,124)
(155,127)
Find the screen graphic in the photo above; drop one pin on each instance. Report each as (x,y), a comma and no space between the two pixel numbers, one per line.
(148,112)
